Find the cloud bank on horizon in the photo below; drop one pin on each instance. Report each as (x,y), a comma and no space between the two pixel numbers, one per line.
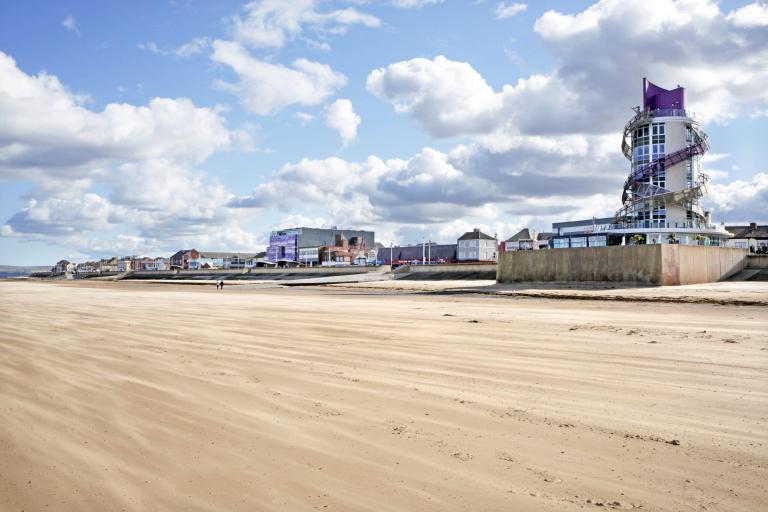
(299,106)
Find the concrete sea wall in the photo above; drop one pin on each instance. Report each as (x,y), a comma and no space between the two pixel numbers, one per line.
(660,264)
(757,261)
(458,271)
(695,264)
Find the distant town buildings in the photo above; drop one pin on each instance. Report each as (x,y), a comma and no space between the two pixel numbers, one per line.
(472,246)
(318,246)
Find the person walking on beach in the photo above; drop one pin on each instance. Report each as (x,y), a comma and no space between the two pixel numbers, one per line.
(221,284)
(217,285)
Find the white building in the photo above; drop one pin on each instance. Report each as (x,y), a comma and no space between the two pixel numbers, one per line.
(476,246)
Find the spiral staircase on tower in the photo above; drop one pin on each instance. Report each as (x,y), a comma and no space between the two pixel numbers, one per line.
(639,187)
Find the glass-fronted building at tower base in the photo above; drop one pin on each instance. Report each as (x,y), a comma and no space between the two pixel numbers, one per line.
(661,196)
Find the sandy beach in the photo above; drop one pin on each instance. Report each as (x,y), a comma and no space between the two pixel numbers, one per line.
(141,396)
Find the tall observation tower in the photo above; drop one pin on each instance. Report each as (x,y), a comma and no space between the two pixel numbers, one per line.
(661,196)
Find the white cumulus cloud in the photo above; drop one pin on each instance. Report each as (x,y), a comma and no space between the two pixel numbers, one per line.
(507,10)
(120,178)
(448,97)
(70,23)
(751,15)
(411,4)
(194,47)
(340,116)
(265,88)
(271,23)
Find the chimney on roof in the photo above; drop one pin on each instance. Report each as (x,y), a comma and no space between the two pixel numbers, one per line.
(753,226)
(476,230)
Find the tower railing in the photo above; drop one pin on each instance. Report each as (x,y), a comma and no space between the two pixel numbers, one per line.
(644,116)
(659,224)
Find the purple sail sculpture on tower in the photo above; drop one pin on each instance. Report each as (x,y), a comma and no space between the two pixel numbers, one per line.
(655,97)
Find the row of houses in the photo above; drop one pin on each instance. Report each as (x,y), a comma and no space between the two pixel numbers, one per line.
(113,264)
(185,259)
(311,247)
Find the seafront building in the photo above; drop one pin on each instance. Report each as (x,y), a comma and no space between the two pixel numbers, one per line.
(62,267)
(303,246)
(753,237)
(180,259)
(583,233)
(661,196)
(477,246)
(527,239)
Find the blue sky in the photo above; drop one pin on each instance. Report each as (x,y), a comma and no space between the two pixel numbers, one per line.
(144,127)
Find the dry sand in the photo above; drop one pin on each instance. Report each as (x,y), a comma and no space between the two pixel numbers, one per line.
(162,397)
(726,292)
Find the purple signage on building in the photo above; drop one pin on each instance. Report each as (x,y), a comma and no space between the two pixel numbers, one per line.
(283,245)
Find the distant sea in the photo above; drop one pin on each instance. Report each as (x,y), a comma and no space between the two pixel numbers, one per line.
(8,271)
(6,275)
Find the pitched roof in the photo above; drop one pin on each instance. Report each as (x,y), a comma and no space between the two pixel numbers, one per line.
(748,231)
(524,234)
(475,234)
(179,254)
